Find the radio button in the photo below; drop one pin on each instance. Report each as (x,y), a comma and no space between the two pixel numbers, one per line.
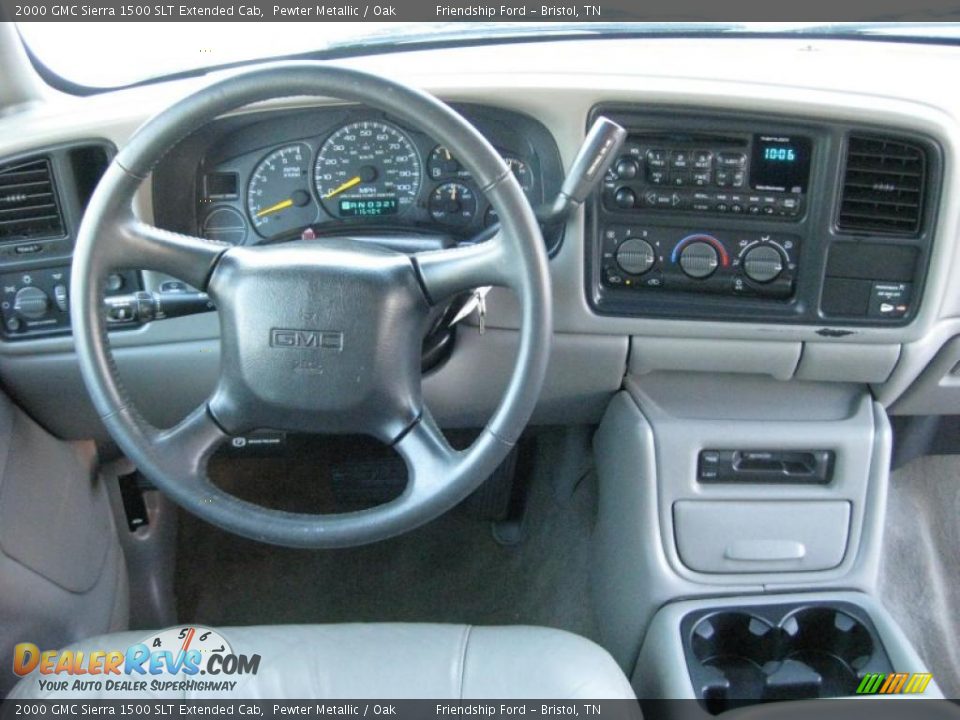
(702,159)
(656,158)
(681,179)
(732,160)
(701,179)
(730,178)
(657,177)
(625,198)
(627,168)
(680,159)
(790,206)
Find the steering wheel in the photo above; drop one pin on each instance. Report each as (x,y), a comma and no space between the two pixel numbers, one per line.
(317,336)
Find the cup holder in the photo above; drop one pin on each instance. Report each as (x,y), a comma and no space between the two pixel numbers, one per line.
(744,656)
(734,649)
(832,643)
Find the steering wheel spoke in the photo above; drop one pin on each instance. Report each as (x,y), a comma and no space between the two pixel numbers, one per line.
(144,246)
(427,454)
(190,443)
(444,273)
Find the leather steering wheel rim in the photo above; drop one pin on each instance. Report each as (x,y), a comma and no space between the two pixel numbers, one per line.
(112,238)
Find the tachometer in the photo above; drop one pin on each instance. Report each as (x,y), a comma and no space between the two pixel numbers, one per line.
(278,197)
(367,168)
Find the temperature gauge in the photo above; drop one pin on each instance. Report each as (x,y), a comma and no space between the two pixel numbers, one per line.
(453,204)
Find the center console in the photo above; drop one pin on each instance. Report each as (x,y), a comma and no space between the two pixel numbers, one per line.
(730,217)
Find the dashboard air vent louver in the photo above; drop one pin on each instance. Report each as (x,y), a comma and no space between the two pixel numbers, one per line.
(28,201)
(883,186)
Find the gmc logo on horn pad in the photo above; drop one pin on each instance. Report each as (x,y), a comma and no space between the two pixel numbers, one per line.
(316,339)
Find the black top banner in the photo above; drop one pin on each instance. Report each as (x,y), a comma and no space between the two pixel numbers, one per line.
(565,11)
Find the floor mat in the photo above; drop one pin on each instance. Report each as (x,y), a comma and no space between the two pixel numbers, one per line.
(920,572)
(450,570)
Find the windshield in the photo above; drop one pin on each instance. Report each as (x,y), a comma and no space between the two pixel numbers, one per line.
(110,54)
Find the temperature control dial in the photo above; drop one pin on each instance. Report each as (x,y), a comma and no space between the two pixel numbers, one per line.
(636,256)
(699,259)
(763,263)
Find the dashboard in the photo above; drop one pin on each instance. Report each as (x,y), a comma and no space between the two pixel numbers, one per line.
(679,262)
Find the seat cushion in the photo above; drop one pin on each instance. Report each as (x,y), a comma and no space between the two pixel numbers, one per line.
(357,661)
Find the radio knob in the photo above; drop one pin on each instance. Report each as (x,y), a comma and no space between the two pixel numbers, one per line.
(762,263)
(636,256)
(625,198)
(627,168)
(31,302)
(699,259)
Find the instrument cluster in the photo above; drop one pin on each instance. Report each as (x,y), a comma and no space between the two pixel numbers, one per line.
(308,173)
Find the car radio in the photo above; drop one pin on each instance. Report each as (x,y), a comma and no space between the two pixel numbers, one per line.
(704,215)
(756,175)
(663,182)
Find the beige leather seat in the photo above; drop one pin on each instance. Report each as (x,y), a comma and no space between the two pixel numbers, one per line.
(393,661)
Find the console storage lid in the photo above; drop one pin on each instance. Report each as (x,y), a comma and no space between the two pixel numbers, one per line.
(761,536)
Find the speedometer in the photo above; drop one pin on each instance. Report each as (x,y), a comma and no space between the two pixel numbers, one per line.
(367,169)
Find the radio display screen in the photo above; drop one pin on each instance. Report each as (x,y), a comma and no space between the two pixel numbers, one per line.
(780,163)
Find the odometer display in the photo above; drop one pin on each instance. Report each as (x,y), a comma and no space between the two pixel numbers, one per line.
(368,207)
(367,168)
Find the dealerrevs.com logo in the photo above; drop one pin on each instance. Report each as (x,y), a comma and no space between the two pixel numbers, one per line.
(181,659)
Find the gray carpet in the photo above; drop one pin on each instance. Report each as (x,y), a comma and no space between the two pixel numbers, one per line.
(450,570)
(920,575)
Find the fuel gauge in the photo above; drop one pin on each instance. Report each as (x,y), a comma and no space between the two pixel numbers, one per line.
(442,165)
(453,204)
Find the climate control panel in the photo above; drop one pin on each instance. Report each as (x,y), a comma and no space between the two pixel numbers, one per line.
(645,257)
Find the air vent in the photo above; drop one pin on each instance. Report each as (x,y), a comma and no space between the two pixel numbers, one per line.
(28,201)
(883,186)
